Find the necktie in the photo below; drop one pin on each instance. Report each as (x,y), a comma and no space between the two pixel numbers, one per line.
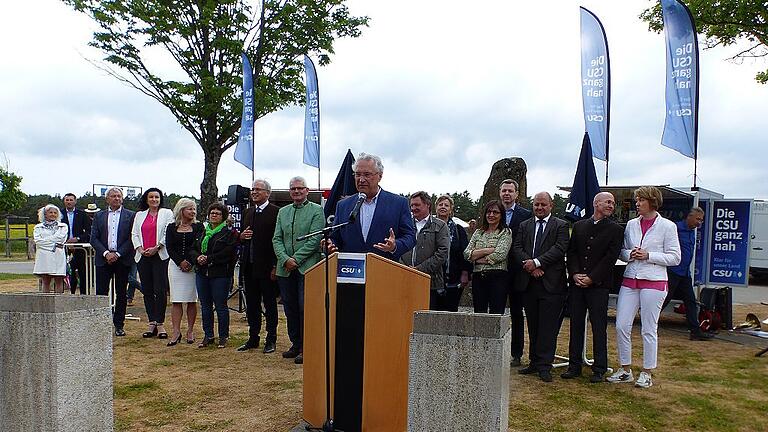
(539,237)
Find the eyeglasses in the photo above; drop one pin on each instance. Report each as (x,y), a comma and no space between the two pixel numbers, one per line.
(493,212)
(215,213)
(365,175)
(297,189)
(258,190)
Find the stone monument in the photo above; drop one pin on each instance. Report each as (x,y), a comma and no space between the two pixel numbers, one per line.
(55,363)
(459,372)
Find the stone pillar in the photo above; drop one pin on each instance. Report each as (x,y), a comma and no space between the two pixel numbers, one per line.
(459,372)
(55,363)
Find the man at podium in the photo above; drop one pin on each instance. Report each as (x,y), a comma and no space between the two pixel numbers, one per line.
(381,221)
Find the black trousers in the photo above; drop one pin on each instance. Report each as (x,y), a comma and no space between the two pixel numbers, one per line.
(516,318)
(153,272)
(78,272)
(683,284)
(594,300)
(118,272)
(292,293)
(489,291)
(260,288)
(542,311)
(447,301)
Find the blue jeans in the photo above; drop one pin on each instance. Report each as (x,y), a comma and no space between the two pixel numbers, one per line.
(133,282)
(213,292)
(292,293)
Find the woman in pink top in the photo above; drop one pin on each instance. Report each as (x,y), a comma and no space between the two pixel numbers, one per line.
(148,236)
(650,245)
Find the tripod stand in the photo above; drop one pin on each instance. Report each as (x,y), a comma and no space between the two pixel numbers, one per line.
(238,291)
(328,425)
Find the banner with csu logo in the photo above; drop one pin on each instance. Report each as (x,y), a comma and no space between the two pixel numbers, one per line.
(595,83)
(729,242)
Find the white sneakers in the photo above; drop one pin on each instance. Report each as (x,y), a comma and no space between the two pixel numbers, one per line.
(644,380)
(622,376)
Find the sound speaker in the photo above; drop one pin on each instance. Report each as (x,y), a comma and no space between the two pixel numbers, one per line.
(237,195)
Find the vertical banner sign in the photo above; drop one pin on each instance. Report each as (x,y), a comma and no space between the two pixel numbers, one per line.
(729,246)
(244,149)
(595,83)
(701,265)
(311,117)
(585,185)
(682,93)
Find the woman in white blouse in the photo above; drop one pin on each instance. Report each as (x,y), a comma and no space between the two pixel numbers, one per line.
(50,259)
(148,236)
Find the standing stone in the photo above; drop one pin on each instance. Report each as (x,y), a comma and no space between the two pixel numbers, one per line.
(56,363)
(508,168)
(459,372)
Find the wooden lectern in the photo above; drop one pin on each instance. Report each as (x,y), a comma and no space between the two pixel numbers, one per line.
(370,326)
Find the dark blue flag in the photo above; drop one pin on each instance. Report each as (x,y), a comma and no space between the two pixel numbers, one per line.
(343,186)
(244,149)
(311,116)
(682,93)
(595,83)
(585,185)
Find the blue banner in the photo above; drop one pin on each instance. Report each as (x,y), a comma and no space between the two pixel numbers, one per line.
(682,93)
(244,149)
(729,243)
(585,185)
(311,117)
(701,266)
(595,83)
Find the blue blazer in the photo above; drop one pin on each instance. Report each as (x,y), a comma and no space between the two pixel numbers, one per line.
(392,211)
(100,242)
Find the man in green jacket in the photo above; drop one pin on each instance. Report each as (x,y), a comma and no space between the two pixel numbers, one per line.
(296,257)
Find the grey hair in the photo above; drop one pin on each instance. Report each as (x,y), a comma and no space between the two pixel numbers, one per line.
(369,157)
(697,210)
(181,204)
(42,210)
(109,191)
(266,184)
(297,179)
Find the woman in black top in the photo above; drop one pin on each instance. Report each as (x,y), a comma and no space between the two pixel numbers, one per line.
(212,255)
(457,268)
(180,239)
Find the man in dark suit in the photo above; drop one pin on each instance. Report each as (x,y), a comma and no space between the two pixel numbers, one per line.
(111,241)
(592,252)
(79,232)
(540,247)
(257,263)
(384,224)
(515,213)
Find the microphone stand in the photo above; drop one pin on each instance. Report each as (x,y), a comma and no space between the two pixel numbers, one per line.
(328,425)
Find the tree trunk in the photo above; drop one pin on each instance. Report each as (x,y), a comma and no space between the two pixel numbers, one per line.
(209,192)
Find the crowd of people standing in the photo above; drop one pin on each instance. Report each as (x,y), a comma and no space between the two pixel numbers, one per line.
(515,257)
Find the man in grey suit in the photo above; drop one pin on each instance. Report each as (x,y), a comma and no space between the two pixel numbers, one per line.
(540,247)
(111,241)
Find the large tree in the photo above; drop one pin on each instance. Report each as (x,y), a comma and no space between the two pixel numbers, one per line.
(205,38)
(11,196)
(726,22)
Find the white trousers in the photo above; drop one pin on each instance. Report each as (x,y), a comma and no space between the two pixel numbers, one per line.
(649,301)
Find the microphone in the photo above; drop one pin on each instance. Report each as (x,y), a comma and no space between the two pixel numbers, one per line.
(358,204)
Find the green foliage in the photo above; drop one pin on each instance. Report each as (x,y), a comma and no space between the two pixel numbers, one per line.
(205,39)
(725,22)
(11,196)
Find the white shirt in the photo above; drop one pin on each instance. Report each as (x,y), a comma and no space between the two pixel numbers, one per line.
(421,224)
(366,214)
(113,221)
(71,220)
(260,208)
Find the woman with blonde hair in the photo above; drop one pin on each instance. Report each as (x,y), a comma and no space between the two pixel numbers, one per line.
(650,246)
(50,259)
(180,237)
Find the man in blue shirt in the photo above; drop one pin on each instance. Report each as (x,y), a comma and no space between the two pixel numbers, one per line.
(680,275)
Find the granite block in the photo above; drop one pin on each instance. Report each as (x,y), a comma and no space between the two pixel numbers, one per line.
(461,324)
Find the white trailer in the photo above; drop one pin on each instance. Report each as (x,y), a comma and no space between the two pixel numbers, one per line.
(758,262)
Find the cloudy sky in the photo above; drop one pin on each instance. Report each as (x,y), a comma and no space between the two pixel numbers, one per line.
(439,89)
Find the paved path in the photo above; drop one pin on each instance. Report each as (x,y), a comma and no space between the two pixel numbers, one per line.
(21,267)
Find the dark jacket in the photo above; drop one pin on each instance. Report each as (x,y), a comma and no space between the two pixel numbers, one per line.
(100,241)
(258,251)
(81,224)
(431,251)
(456,261)
(593,250)
(221,247)
(551,256)
(180,249)
(519,215)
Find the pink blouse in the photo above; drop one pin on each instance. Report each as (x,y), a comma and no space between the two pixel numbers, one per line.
(149,231)
(645,224)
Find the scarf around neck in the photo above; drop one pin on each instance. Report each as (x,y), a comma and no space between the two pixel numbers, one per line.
(210,233)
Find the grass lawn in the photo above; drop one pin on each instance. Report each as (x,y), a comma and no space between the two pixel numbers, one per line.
(705,386)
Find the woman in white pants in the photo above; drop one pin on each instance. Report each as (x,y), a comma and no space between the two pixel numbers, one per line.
(650,245)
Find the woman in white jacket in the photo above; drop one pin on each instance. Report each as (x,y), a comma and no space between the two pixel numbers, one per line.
(50,259)
(148,237)
(650,246)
